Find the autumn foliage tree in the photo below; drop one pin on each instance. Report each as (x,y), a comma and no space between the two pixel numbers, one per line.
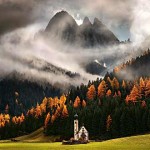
(115,83)
(47,119)
(38,111)
(18,120)
(65,112)
(53,118)
(142,86)
(99,105)
(91,92)
(147,90)
(102,89)
(134,95)
(4,119)
(77,102)
(108,93)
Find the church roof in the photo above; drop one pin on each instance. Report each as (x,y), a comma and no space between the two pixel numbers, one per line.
(83,128)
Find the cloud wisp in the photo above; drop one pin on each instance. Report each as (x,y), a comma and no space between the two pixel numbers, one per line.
(19,45)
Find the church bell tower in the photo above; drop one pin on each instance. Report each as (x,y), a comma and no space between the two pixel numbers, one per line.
(76,127)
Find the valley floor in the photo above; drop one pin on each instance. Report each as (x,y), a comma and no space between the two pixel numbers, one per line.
(141,142)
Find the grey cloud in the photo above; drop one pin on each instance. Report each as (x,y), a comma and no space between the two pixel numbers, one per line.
(19,44)
(15,55)
(13,14)
(18,13)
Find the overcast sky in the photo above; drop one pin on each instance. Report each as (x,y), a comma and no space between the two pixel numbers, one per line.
(24,18)
(116,14)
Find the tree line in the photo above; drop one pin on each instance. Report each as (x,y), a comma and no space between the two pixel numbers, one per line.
(109,108)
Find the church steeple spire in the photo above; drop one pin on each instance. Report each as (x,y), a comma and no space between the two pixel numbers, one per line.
(76,127)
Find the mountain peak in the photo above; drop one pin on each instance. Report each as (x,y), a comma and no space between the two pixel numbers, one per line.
(97,21)
(86,21)
(64,26)
(61,13)
(61,18)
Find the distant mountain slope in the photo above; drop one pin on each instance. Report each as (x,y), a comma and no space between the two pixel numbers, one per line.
(95,34)
(96,68)
(45,66)
(63,26)
(20,95)
(31,90)
(135,68)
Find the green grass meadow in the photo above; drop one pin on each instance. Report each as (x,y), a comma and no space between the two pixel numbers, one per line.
(141,142)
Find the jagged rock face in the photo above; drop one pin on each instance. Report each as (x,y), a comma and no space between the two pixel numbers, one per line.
(85,33)
(95,68)
(63,26)
(102,33)
(95,34)
(86,22)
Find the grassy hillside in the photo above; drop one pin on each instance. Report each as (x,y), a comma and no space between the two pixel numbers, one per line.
(37,136)
(141,142)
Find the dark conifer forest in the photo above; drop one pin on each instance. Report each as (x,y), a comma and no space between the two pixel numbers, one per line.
(108,107)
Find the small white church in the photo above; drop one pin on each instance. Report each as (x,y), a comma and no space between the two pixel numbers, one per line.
(81,133)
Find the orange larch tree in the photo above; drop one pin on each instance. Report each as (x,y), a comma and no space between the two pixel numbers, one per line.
(22,117)
(108,93)
(102,89)
(7,118)
(134,95)
(147,92)
(62,101)
(4,119)
(18,120)
(77,102)
(43,107)
(57,112)
(47,119)
(91,92)
(50,102)
(65,112)
(56,101)
(115,84)
(38,111)
(45,101)
(53,118)
(31,112)
(142,86)
(142,83)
